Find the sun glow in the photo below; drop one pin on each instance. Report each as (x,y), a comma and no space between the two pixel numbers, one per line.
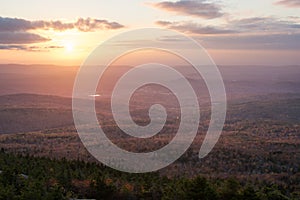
(69,47)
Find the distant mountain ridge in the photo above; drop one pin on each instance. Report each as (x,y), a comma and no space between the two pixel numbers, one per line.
(240,81)
(32,112)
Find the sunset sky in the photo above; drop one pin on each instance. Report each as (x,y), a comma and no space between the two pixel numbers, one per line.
(233,31)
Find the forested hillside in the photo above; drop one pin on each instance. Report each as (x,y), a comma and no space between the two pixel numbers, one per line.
(26,177)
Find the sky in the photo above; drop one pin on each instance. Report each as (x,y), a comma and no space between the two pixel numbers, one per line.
(234,32)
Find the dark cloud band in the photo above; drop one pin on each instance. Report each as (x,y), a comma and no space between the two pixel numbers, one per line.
(20,38)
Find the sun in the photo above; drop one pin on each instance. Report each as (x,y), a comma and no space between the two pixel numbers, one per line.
(69,47)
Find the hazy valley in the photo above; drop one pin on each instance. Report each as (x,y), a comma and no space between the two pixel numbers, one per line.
(259,143)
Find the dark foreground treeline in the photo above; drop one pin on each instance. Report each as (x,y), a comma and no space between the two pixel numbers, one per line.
(26,177)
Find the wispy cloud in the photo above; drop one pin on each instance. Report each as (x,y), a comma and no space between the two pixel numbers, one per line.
(88,24)
(279,41)
(13,47)
(257,25)
(198,8)
(193,28)
(263,25)
(27,48)
(248,33)
(54,47)
(289,3)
